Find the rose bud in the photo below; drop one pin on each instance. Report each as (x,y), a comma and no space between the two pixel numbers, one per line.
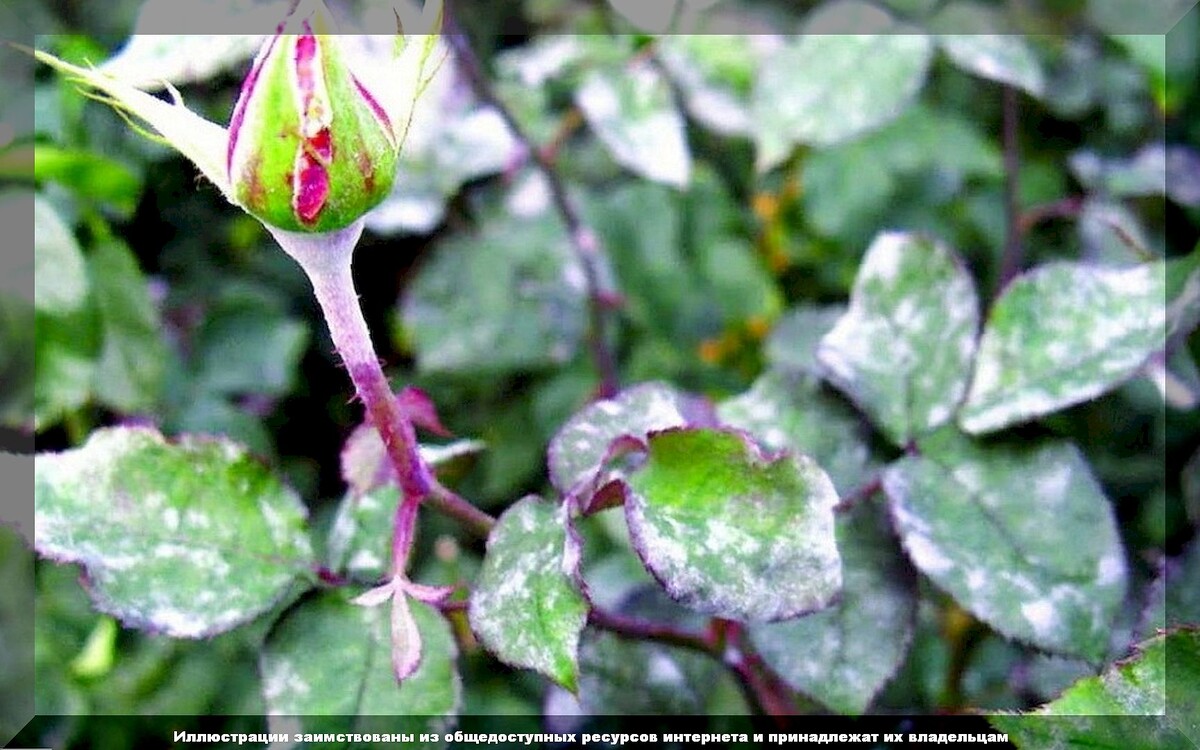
(310,148)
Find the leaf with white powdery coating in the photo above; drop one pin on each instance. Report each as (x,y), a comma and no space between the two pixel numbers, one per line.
(1062,334)
(903,351)
(730,532)
(578,450)
(1131,706)
(984,44)
(998,57)
(327,657)
(1021,536)
(526,607)
(189,539)
(844,655)
(634,116)
(824,88)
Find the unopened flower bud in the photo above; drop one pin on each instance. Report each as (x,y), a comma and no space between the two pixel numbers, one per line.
(310,148)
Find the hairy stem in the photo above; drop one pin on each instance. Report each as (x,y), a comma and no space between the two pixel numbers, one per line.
(326,260)
(584,241)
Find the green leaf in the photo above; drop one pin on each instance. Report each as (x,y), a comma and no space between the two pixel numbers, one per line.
(825,88)
(188,539)
(65,352)
(1183,294)
(89,175)
(632,112)
(360,541)
(793,412)
(526,607)
(328,658)
(1131,706)
(579,449)
(730,532)
(59,275)
(903,351)
(509,298)
(842,656)
(130,371)
(1062,334)
(1021,536)
(248,344)
(852,188)
(18,365)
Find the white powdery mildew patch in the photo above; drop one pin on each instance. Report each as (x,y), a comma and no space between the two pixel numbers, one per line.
(885,256)
(170,519)
(1052,482)
(1111,570)
(281,524)
(365,561)
(283,685)
(927,555)
(664,671)
(177,622)
(1042,617)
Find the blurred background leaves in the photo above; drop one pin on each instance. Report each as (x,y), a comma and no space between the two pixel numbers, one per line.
(770,163)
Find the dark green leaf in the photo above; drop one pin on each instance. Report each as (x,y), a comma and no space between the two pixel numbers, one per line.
(129,374)
(526,607)
(508,298)
(65,352)
(329,658)
(730,532)
(18,368)
(1022,536)
(248,345)
(624,676)
(842,656)
(189,538)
